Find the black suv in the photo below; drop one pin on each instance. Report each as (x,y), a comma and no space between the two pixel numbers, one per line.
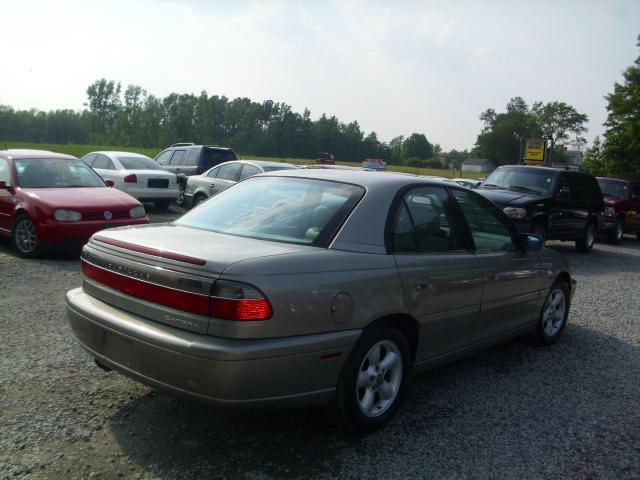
(186,159)
(553,203)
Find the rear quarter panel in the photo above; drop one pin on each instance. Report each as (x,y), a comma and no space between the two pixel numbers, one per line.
(301,288)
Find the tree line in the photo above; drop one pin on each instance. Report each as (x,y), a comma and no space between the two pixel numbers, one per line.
(131,117)
(134,118)
(618,154)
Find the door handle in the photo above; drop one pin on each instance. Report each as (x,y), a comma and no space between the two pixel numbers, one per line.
(494,277)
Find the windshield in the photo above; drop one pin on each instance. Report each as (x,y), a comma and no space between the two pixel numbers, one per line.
(138,163)
(55,173)
(520,179)
(614,189)
(291,210)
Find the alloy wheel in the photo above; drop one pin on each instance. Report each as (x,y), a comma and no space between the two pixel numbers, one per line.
(379,378)
(25,236)
(554,312)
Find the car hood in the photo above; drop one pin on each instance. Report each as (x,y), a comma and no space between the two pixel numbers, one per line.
(82,199)
(218,250)
(506,198)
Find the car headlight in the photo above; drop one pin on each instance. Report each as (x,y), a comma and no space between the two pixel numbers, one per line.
(137,212)
(63,215)
(609,211)
(514,212)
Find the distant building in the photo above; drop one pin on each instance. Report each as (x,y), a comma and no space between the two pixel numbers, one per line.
(573,157)
(477,165)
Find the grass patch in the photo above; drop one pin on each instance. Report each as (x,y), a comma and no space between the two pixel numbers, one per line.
(81,150)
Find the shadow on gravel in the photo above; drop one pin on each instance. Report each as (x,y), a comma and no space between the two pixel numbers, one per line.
(604,258)
(6,248)
(513,410)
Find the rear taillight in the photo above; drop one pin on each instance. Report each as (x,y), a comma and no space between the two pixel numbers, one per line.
(131,178)
(238,301)
(228,301)
(178,299)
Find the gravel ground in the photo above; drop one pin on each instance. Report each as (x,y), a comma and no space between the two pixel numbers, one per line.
(513,411)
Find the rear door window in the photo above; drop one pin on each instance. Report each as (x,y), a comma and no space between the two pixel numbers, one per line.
(229,171)
(192,157)
(249,170)
(178,155)
(213,157)
(424,222)
(101,162)
(580,187)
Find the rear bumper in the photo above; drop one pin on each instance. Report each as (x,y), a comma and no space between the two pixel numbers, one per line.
(76,234)
(233,373)
(153,193)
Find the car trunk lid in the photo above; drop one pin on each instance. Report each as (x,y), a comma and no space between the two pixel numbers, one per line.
(166,272)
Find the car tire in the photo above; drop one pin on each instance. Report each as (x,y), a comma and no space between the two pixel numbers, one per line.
(539,230)
(198,199)
(25,236)
(586,241)
(617,234)
(359,402)
(553,316)
(180,197)
(162,205)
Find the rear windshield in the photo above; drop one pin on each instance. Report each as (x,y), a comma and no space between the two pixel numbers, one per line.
(291,210)
(138,163)
(213,157)
(278,167)
(520,180)
(55,173)
(614,189)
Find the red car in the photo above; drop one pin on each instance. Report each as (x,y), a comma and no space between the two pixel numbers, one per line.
(53,200)
(622,207)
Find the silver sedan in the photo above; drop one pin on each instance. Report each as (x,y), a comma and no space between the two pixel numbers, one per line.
(221,177)
(315,287)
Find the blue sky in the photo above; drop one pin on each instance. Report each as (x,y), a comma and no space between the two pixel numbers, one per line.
(395,67)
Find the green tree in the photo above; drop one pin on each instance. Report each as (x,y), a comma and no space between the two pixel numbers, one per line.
(622,135)
(395,150)
(557,121)
(417,146)
(502,137)
(594,161)
(103,100)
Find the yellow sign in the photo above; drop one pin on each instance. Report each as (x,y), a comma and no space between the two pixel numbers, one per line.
(534,152)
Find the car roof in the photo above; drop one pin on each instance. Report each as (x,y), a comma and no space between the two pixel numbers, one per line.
(119,154)
(367,179)
(618,179)
(18,153)
(264,163)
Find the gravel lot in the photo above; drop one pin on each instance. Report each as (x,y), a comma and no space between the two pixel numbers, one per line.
(514,411)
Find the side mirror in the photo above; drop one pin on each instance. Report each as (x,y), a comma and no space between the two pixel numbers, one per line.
(564,194)
(109,183)
(4,186)
(531,242)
